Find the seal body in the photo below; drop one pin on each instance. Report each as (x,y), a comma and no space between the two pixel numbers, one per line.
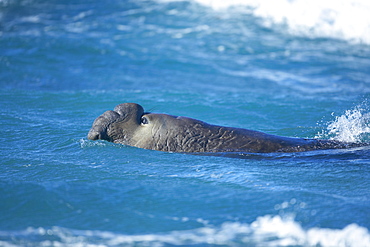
(128,124)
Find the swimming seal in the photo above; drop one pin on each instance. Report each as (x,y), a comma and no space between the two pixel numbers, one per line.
(128,124)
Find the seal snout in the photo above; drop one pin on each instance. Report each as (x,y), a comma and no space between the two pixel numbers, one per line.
(99,128)
(93,135)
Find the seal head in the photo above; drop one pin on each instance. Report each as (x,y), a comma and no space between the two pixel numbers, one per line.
(118,125)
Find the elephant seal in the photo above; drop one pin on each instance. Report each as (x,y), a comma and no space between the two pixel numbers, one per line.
(128,124)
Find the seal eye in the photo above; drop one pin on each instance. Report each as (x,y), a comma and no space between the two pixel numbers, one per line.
(144,120)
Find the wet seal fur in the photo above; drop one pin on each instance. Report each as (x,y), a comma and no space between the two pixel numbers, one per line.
(128,124)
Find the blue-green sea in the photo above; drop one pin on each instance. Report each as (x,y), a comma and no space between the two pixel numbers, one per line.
(289,68)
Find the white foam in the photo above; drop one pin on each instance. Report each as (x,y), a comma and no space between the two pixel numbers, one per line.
(87,143)
(352,126)
(265,231)
(290,233)
(340,19)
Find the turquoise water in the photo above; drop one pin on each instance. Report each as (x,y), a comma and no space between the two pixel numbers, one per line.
(62,64)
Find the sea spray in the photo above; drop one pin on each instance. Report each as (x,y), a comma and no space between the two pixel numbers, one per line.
(352,126)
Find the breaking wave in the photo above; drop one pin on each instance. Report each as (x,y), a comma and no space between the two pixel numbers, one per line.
(339,19)
(265,231)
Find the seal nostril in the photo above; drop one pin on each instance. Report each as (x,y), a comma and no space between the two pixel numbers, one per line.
(93,135)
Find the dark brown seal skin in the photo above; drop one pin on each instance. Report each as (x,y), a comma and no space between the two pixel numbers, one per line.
(128,124)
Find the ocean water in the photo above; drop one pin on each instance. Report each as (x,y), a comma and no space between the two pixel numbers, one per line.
(291,68)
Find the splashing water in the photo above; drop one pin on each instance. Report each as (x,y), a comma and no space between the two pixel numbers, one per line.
(352,126)
(265,231)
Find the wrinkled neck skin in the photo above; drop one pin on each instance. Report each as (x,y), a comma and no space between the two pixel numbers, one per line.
(174,134)
(128,124)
